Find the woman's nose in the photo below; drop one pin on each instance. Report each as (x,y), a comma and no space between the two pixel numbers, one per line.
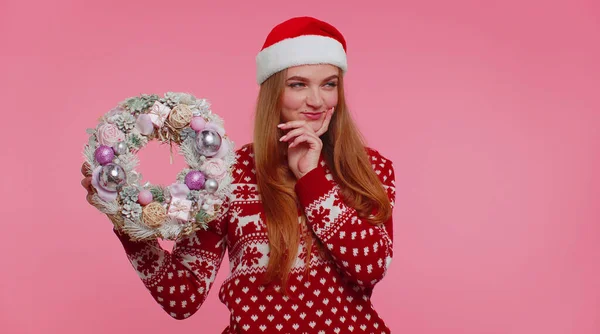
(314,98)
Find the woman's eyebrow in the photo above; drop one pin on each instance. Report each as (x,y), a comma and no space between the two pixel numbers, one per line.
(331,77)
(299,78)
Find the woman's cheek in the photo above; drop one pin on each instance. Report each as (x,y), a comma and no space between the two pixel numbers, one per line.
(292,100)
(331,98)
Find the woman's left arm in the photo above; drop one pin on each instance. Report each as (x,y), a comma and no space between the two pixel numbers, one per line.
(361,250)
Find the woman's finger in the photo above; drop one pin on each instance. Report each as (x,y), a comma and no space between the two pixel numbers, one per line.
(293,133)
(300,139)
(311,140)
(291,124)
(306,129)
(326,122)
(85,169)
(89,197)
(86,182)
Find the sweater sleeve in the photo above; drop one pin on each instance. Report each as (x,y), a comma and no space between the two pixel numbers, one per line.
(179,280)
(361,250)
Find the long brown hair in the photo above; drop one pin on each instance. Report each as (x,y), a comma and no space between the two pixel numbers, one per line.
(345,153)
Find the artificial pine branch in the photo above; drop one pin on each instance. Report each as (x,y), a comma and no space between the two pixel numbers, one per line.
(192,157)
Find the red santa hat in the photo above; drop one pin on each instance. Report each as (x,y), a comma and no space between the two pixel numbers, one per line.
(300,41)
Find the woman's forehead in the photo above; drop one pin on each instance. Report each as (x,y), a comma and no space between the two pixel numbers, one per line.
(312,72)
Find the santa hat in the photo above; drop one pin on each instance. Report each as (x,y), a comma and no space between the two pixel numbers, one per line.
(300,41)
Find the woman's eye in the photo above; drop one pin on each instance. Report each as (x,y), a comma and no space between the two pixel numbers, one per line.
(296,84)
(331,84)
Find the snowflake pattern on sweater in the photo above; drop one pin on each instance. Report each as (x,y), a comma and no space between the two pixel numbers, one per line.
(332,297)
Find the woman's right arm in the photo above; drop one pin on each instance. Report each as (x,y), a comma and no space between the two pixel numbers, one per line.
(179,281)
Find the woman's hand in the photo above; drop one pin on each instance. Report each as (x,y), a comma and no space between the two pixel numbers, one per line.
(304,149)
(87,182)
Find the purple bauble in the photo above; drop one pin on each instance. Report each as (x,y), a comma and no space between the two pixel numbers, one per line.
(104,154)
(194,180)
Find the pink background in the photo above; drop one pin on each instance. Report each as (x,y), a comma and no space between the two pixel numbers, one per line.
(489,110)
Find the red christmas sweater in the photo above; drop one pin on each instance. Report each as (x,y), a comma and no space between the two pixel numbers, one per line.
(334,296)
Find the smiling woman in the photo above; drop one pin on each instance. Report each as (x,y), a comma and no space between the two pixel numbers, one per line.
(309,227)
(310,93)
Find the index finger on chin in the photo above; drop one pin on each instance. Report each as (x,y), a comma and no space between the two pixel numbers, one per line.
(325,124)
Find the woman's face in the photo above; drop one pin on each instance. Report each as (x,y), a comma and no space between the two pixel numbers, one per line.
(310,90)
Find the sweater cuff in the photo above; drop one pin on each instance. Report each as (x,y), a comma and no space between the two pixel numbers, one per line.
(129,245)
(312,186)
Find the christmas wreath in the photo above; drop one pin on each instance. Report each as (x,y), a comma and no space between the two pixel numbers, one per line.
(149,211)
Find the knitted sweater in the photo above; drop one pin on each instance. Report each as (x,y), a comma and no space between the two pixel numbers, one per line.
(332,297)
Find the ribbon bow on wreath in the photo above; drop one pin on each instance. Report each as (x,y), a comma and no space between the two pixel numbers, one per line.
(180,206)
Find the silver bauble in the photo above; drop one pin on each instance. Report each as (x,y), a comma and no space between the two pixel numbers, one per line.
(112,177)
(208,142)
(211,185)
(120,148)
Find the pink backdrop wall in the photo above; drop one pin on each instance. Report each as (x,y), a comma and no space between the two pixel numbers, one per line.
(489,110)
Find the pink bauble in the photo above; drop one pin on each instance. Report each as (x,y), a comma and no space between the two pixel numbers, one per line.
(194,180)
(145,197)
(198,123)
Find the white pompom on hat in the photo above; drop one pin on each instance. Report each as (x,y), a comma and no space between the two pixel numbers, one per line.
(300,41)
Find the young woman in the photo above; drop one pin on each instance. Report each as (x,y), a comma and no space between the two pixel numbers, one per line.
(308,229)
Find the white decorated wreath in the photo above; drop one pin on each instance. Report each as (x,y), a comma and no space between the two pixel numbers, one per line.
(149,211)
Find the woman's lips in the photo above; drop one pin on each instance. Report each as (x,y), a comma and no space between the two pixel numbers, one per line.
(313,115)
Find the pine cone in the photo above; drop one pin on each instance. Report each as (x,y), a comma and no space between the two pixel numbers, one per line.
(132,210)
(140,103)
(129,195)
(136,141)
(125,122)
(186,133)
